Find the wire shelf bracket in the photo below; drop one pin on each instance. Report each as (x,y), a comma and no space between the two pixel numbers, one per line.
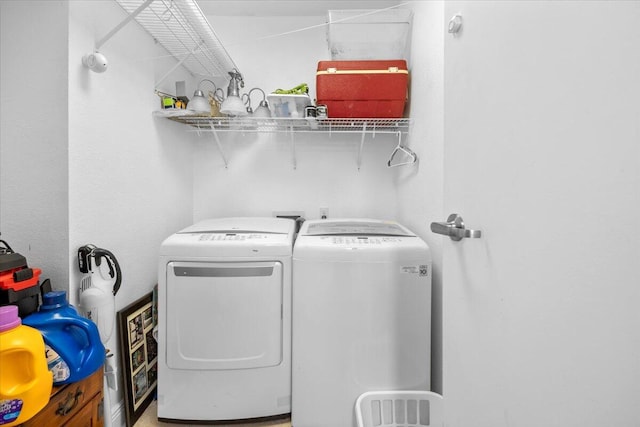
(181,28)
(217,140)
(361,147)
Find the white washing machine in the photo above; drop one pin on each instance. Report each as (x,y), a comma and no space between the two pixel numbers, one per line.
(224,320)
(361,316)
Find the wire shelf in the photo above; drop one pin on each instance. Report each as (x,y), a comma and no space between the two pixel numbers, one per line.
(280,124)
(183,30)
(292,126)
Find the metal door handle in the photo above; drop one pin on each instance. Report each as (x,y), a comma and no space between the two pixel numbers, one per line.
(455,229)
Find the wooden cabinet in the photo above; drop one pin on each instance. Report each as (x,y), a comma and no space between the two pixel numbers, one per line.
(73,405)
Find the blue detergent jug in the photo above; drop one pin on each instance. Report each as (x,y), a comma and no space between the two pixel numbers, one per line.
(72,343)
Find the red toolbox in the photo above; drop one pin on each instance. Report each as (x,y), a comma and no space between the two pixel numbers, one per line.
(362,89)
(19,284)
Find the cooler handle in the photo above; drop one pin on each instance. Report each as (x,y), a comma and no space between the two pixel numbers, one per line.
(390,70)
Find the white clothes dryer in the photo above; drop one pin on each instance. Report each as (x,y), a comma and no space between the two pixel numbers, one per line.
(224,320)
(361,316)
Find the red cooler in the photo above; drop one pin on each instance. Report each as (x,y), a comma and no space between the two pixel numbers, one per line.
(363,89)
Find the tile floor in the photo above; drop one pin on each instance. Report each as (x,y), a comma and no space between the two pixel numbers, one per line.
(150,419)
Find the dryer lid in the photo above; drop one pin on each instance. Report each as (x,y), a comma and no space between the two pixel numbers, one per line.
(343,227)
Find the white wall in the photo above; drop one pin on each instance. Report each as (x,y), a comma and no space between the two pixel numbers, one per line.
(260,178)
(33,134)
(82,159)
(130,178)
(419,189)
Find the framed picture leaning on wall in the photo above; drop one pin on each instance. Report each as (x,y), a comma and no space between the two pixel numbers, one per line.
(138,355)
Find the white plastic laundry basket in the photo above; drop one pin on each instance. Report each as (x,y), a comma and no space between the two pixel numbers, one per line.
(399,409)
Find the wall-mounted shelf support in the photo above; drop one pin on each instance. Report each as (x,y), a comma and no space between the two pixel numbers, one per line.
(293,148)
(364,132)
(175,67)
(216,138)
(118,27)
(183,30)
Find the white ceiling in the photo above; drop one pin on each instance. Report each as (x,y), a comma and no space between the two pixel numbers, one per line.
(286,7)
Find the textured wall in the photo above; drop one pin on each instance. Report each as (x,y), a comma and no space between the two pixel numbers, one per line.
(33,134)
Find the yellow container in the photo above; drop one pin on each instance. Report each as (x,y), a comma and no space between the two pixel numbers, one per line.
(25,380)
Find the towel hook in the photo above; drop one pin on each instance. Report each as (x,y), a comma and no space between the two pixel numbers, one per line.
(413,157)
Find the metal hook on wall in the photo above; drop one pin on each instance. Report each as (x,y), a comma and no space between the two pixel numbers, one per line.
(399,147)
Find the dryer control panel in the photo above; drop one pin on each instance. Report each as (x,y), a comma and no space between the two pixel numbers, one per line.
(231,236)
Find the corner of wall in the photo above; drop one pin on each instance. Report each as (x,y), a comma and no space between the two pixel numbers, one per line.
(421,189)
(34,134)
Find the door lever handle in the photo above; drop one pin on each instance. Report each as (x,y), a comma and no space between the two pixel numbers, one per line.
(455,229)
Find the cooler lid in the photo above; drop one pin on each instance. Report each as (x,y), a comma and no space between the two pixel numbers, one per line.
(264,225)
(397,66)
(368,227)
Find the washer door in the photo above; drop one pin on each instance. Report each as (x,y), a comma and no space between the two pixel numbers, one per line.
(224,315)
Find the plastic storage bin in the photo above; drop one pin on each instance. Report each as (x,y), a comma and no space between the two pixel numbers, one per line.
(288,105)
(369,34)
(74,349)
(399,409)
(25,381)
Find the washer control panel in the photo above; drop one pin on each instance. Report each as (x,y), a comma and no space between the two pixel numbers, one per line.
(358,241)
(362,240)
